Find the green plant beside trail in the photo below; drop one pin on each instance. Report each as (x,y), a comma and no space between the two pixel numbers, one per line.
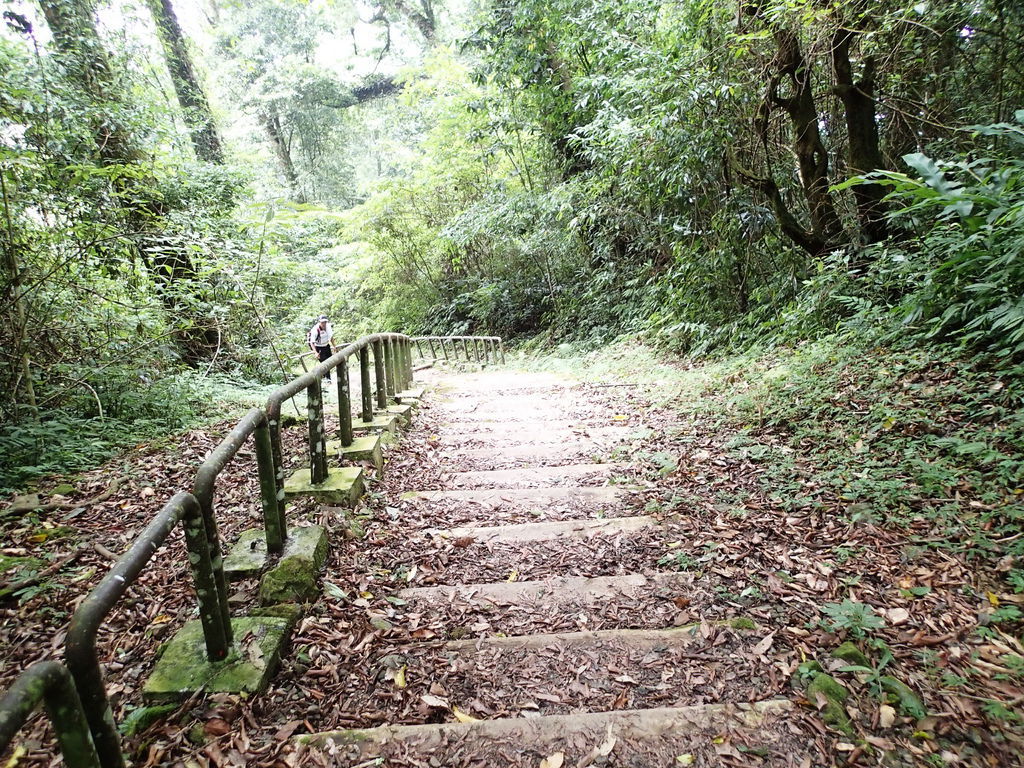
(919,438)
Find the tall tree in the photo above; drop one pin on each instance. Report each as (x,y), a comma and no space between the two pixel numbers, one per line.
(86,65)
(193,101)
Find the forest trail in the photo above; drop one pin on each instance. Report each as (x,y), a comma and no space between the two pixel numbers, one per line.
(548,636)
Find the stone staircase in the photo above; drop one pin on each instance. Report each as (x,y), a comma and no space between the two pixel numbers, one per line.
(563,669)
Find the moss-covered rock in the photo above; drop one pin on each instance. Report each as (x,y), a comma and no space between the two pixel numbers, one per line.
(742,622)
(183,668)
(828,694)
(851,654)
(908,702)
(140,719)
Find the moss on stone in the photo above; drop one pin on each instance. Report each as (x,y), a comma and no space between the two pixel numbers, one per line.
(830,703)
(143,717)
(183,668)
(908,702)
(290,612)
(742,622)
(851,654)
(342,486)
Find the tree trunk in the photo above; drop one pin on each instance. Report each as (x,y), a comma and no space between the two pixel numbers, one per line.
(22,378)
(863,152)
(272,125)
(810,152)
(194,105)
(87,67)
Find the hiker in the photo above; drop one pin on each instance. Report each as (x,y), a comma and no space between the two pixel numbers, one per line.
(319,339)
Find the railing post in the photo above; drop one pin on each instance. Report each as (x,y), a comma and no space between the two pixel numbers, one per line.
(273,512)
(210,592)
(80,645)
(501,350)
(487,351)
(408,364)
(419,348)
(344,404)
(273,412)
(444,349)
(317,441)
(433,354)
(378,370)
(216,648)
(51,683)
(465,347)
(365,393)
(389,368)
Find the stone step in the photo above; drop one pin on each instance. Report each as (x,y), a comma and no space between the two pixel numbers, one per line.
(627,736)
(562,451)
(460,432)
(544,531)
(534,477)
(492,498)
(553,592)
(633,638)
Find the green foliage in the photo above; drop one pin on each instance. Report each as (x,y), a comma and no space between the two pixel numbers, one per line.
(856,618)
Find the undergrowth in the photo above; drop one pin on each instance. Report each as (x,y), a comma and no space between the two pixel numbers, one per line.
(62,442)
(916,437)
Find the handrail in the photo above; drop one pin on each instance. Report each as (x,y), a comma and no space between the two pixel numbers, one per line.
(80,684)
(80,650)
(491,345)
(49,683)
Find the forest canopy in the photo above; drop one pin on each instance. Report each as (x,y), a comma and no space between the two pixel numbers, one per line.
(186,184)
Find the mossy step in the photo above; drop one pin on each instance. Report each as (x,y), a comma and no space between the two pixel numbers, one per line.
(343,486)
(363,448)
(413,393)
(382,422)
(402,412)
(183,669)
(296,577)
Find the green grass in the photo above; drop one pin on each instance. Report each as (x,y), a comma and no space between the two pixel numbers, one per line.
(922,438)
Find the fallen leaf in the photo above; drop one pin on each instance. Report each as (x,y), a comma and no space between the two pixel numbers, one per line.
(686,759)
(553,761)
(886,716)
(462,717)
(400,677)
(435,701)
(762,647)
(216,726)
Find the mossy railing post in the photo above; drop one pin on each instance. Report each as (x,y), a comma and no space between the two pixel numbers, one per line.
(389,368)
(407,357)
(433,354)
(365,391)
(465,348)
(344,404)
(501,349)
(80,646)
(317,439)
(378,370)
(270,499)
(487,351)
(49,683)
(419,348)
(455,350)
(444,349)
